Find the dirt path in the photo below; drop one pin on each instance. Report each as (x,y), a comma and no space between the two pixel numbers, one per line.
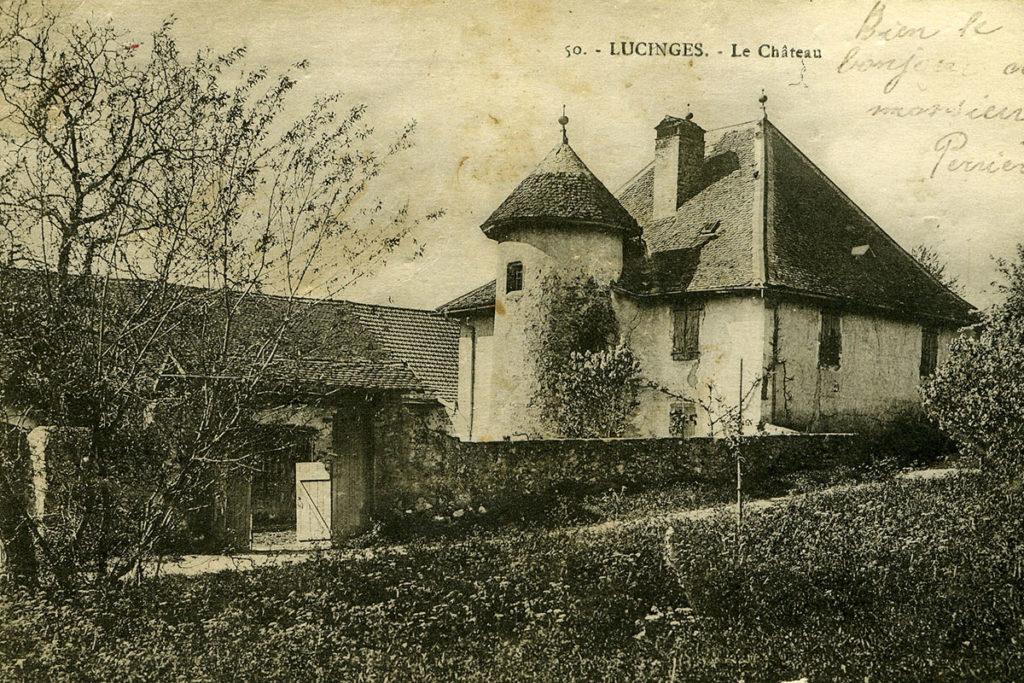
(192,565)
(751,505)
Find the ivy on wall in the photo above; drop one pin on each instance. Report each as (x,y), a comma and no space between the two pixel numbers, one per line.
(588,380)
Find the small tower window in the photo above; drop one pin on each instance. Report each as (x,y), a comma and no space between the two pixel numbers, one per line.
(514,276)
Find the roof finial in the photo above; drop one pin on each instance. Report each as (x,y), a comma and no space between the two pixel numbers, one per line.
(563,119)
(762,99)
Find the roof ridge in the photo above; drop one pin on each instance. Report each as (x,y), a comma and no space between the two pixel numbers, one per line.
(260,294)
(759,229)
(734,125)
(350,302)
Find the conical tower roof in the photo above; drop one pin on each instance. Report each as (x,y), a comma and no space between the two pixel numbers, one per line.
(562,189)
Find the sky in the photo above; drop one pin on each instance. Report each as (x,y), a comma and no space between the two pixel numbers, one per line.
(486,82)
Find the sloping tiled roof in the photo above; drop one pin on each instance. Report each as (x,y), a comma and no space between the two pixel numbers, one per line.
(812,229)
(347,332)
(808,229)
(325,375)
(426,341)
(312,375)
(313,329)
(479,298)
(561,188)
(342,344)
(725,200)
(337,341)
(313,342)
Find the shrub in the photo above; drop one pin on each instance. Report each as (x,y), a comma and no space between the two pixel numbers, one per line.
(978,395)
(509,607)
(909,439)
(915,580)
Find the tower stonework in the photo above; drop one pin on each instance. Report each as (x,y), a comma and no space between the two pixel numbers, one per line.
(560,219)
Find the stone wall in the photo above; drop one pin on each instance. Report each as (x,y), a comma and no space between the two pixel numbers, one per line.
(417,464)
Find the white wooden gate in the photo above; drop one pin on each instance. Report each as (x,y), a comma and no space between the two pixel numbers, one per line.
(312,502)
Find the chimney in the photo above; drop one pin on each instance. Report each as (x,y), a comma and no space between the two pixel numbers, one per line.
(678,158)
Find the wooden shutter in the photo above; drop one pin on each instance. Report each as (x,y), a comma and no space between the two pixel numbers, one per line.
(678,331)
(830,341)
(686,331)
(929,352)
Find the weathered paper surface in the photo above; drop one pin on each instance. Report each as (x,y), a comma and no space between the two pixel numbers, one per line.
(914,108)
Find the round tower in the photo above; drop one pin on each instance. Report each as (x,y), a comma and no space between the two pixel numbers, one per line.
(559,219)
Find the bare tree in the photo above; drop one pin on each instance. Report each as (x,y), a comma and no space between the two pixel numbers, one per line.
(146,199)
(935,264)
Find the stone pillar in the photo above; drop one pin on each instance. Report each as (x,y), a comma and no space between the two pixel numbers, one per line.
(39,440)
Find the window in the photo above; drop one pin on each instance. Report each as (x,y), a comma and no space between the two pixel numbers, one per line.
(686,330)
(514,276)
(929,352)
(682,419)
(830,342)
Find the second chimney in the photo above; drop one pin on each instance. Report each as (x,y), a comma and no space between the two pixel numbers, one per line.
(678,161)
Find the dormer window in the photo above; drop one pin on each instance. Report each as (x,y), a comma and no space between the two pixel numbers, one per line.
(710,228)
(861,250)
(514,277)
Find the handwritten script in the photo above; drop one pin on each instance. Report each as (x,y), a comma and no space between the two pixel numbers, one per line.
(940,57)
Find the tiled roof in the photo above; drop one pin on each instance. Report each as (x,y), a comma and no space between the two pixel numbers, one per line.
(425,340)
(812,229)
(808,229)
(325,342)
(561,188)
(349,332)
(325,375)
(726,198)
(310,375)
(361,337)
(479,298)
(317,329)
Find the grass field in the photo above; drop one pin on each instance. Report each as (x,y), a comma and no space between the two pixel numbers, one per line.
(909,580)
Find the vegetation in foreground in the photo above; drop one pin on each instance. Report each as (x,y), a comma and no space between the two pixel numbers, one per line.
(909,580)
